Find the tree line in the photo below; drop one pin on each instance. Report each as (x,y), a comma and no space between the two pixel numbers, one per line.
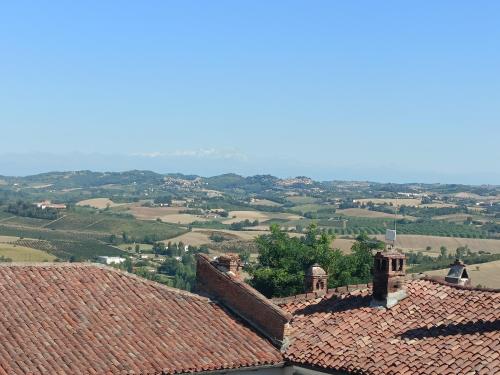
(283,261)
(25,209)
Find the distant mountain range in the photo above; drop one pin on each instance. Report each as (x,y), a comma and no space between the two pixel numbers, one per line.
(229,181)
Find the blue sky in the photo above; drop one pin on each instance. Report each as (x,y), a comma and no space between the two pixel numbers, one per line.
(385,91)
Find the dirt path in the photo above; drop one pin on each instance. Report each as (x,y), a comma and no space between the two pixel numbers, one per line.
(53,221)
(92,224)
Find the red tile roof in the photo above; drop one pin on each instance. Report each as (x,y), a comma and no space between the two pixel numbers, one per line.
(437,329)
(86,319)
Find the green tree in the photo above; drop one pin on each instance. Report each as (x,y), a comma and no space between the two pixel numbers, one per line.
(362,258)
(127,265)
(159,248)
(443,250)
(460,252)
(284,260)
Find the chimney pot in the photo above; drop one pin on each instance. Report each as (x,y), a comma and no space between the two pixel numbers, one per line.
(458,274)
(229,262)
(316,280)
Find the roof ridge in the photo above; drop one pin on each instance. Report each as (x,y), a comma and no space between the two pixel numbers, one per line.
(104,267)
(241,284)
(462,287)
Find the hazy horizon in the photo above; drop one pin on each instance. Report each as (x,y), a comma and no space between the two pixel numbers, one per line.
(21,165)
(382,91)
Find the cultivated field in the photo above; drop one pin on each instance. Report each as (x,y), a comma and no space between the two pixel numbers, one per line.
(362,212)
(300,199)
(396,202)
(99,203)
(200,236)
(343,244)
(6,239)
(488,274)
(237,216)
(193,238)
(142,246)
(459,218)
(166,214)
(418,242)
(24,254)
(264,202)
(438,205)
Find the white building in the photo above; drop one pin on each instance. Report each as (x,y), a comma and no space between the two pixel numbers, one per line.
(110,260)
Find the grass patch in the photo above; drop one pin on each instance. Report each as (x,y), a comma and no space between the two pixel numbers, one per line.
(24,254)
(302,199)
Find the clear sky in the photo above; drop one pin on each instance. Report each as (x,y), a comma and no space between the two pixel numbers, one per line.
(378,90)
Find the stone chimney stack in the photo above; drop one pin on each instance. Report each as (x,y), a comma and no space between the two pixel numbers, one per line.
(229,263)
(388,279)
(316,280)
(458,274)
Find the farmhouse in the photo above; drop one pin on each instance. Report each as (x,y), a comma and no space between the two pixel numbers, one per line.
(104,259)
(92,319)
(48,204)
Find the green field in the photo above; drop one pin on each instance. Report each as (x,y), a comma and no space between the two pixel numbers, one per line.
(302,199)
(106,223)
(24,254)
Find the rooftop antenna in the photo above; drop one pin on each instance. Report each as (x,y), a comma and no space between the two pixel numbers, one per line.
(390,234)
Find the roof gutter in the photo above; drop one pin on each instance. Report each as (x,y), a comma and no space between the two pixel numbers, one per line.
(231,370)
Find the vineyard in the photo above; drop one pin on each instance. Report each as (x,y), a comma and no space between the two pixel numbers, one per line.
(35,244)
(83,234)
(117,225)
(372,226)
(83,250)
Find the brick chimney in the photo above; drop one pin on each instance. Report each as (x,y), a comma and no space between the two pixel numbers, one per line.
(229,263)
(316,280)
(388,279)
(458,274)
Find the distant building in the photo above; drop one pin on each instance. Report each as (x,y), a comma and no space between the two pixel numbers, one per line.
(48,204)
(110,260)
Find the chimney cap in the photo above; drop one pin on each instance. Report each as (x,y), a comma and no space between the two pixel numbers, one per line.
(458,262)
(316,270)
(229,257)
(458,273)
(390,254)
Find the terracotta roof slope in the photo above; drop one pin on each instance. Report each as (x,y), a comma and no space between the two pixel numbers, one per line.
(437,329)
(86,319)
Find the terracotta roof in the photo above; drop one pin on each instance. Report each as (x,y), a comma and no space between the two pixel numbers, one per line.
(300,301)
(89,319)
(437,329)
